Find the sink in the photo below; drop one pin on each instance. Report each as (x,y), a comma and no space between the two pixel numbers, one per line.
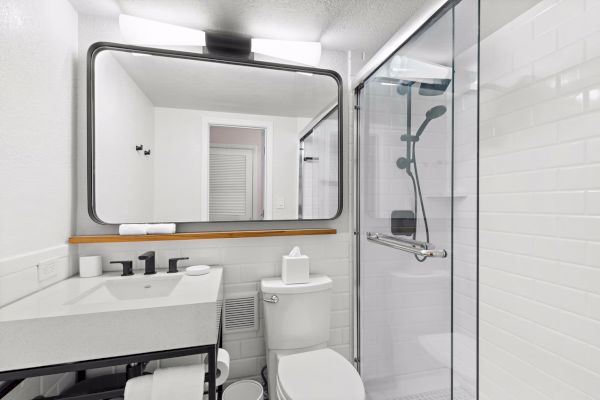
(129,288)
(108,316)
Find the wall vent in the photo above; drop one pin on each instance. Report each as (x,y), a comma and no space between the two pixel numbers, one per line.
(240,312)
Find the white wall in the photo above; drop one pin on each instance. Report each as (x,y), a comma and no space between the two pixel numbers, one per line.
(125,118)
(180,175)
(38,53)
(180,136)
(540,190)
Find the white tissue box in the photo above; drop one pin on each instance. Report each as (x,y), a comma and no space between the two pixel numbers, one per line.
(295,269)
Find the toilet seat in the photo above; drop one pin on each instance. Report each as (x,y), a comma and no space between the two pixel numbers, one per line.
(318,375)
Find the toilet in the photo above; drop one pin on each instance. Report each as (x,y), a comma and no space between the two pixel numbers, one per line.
(300,365)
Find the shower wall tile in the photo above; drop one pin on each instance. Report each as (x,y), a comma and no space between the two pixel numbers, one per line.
(539,218)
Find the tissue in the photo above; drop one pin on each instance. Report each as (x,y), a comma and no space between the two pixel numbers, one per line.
(295,252)
(295,267)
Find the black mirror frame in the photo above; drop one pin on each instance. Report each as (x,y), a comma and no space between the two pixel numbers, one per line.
(98,47)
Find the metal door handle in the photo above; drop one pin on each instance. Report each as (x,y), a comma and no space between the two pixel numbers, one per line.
(273,299)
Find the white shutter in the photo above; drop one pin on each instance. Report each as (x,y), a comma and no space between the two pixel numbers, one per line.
(230,184)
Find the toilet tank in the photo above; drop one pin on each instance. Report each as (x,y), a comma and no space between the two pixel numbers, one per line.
(296,316)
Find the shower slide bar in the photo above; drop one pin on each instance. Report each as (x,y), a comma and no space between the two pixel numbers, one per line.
(408,245)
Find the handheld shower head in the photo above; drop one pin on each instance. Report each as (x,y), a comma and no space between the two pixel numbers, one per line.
(430,115)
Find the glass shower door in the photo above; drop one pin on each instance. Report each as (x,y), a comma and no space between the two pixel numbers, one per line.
(417,191)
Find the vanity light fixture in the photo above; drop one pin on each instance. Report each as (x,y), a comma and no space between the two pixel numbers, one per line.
(308,53)
(145,32)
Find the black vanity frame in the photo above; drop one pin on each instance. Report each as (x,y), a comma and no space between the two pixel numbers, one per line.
(17,376)
(14,378)
(96,48)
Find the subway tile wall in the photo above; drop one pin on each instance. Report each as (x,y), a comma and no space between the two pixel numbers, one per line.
(245,262)
(540,219)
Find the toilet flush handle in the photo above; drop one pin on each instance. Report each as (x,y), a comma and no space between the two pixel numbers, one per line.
(273,299)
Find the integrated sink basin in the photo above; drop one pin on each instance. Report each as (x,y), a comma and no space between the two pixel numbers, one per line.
(130,288)
(82,319)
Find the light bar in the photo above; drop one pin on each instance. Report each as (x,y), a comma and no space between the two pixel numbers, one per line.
(308,53)
(143,31)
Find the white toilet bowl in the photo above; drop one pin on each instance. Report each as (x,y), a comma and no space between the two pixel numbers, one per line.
(318,375)
(297,326)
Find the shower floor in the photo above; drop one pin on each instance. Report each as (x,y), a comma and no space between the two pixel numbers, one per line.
(432,385)
(438,395)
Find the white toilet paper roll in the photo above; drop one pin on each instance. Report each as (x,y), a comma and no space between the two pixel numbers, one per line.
(222,366)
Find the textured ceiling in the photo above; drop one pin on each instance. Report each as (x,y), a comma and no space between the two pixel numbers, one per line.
(226,88)
(338,24)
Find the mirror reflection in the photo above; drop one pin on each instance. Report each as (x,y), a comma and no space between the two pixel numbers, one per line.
(196,139)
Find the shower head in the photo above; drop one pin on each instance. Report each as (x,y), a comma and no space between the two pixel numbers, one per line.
(430,115)
(435,112)
(434,89)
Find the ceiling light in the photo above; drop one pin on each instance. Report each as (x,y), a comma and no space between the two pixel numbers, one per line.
(143,31)
(308,53)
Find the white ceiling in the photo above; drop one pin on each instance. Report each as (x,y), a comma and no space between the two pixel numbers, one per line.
(363,25)
(189,84)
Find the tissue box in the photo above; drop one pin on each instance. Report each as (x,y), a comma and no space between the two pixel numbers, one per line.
(295,269)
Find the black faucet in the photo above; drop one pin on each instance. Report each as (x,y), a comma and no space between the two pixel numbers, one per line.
(148,257)
(127,267)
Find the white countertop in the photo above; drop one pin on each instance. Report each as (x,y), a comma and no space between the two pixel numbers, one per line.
(55,300)
(55,326)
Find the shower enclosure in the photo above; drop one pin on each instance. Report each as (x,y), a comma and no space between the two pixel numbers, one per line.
(417,135)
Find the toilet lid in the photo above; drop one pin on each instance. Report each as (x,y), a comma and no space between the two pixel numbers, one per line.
(319,375)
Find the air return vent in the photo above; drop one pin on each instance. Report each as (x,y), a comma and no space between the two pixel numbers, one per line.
(240,312)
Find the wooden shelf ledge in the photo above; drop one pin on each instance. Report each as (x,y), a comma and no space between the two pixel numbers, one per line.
(199,235)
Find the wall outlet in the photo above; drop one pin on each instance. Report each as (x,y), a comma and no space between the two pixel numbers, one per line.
(47,270)
(280,202)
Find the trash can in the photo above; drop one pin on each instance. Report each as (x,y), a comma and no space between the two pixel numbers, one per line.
(243,390)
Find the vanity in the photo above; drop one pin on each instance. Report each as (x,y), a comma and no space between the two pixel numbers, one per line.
(85,323)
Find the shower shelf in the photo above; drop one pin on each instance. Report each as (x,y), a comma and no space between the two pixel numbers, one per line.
(408,245)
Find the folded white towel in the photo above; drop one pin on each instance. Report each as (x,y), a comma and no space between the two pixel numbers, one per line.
(181,383)
(133,229)
(139,388)
(160,229)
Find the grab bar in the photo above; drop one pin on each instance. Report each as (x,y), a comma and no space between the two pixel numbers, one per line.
(409,245)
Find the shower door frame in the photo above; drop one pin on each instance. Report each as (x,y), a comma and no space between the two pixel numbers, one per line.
(435,14)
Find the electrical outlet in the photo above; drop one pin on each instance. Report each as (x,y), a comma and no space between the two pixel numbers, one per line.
(47,270)
(280,202)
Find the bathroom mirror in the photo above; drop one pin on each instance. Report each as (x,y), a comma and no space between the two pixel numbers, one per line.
(186,137)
